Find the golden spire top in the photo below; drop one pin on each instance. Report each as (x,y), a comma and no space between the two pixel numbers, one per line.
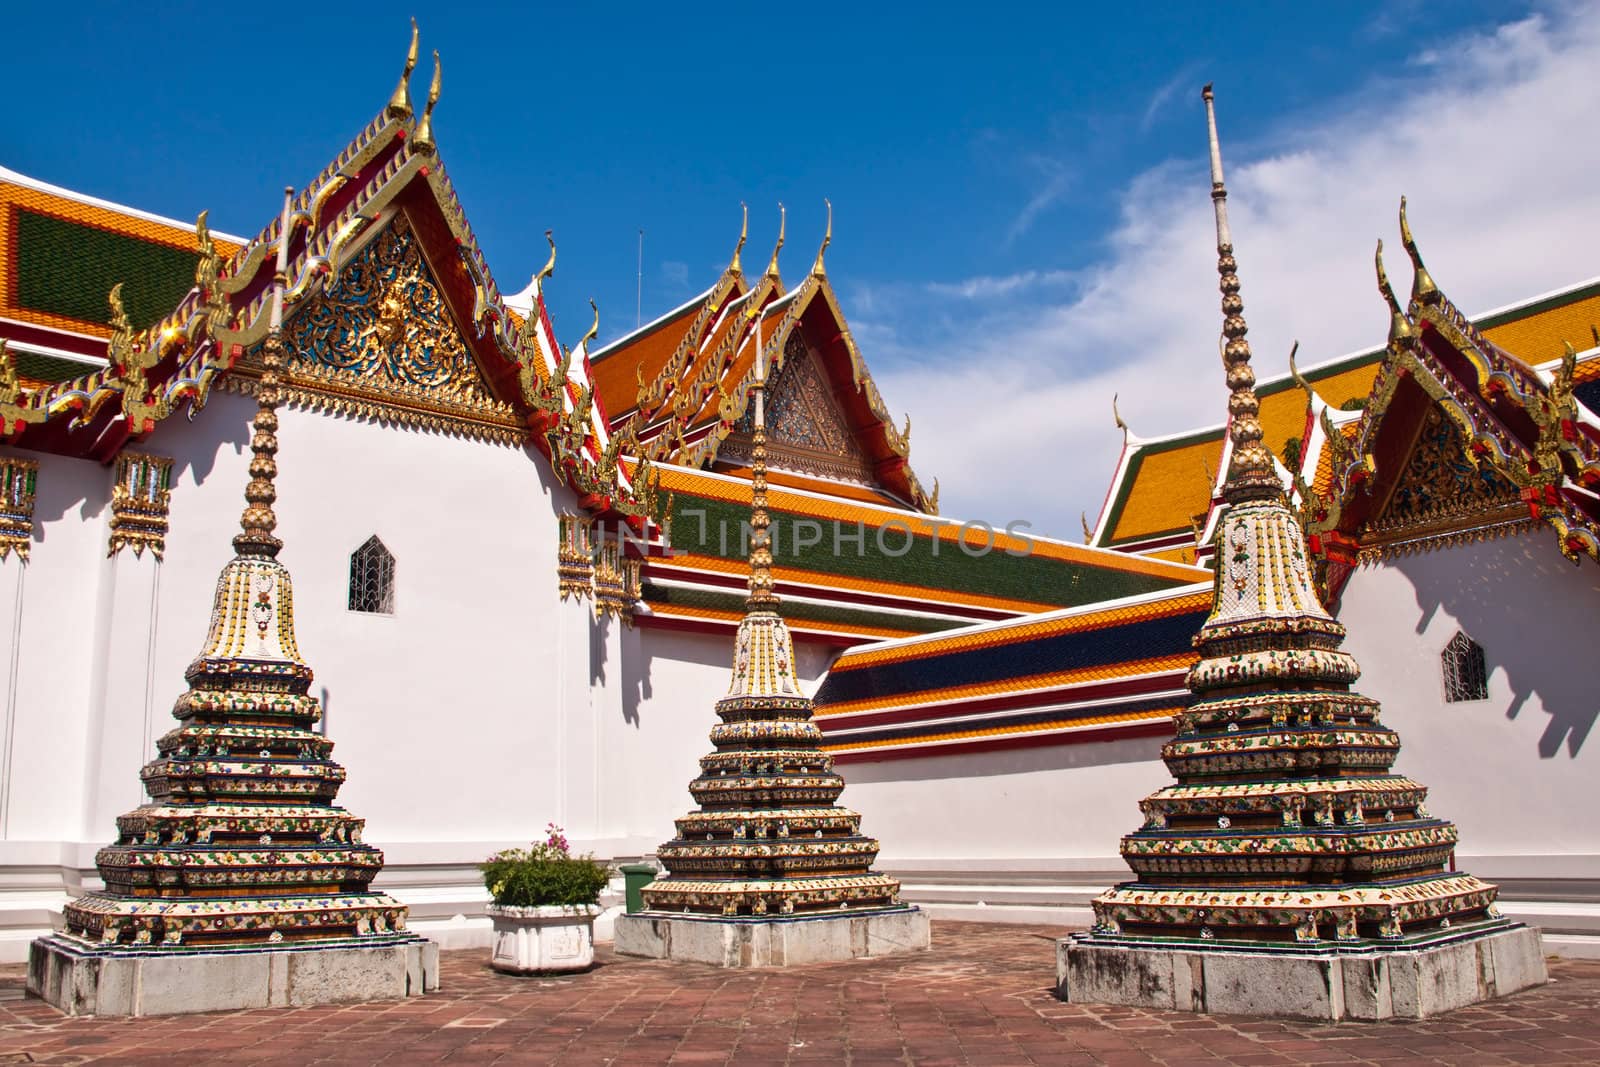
(1401,332)
(1250,473)
(818,270)
(549,267)
(1423,290)
(400,103)
(258,521)
(734,266)
(772,264)
(422,139)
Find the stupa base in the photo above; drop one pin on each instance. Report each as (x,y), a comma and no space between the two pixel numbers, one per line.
(80,978)
(772,942)
(1410,979)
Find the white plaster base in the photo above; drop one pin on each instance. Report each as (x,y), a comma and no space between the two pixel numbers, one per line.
(1404,982)
(83,980)
(771,942)
(547,939)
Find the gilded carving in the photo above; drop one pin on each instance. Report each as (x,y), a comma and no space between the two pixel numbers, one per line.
(140,496)
(19,479)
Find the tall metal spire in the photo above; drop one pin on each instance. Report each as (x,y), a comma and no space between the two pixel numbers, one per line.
(1250,473)
(258,520)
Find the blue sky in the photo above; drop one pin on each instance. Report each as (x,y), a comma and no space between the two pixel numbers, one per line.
(989,167)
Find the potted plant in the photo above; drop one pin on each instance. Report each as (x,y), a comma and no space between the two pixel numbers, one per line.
(545,903)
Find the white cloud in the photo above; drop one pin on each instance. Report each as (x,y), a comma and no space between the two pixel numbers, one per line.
(1495,149)
(675,274)
(989,286)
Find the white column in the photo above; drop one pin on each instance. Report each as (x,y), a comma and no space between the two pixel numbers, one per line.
(13,571)
(124,719)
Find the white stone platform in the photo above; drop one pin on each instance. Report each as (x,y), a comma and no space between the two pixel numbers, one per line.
(1410,980)
(771,942)
(82,979)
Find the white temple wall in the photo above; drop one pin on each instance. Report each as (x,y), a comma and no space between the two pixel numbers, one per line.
(1056,808)
(1515,772)
(439,711)
(651,744)
(48,608)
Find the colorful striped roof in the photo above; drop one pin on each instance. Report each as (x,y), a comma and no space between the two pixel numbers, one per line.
(850,570)
(1161,484)
(1110,669)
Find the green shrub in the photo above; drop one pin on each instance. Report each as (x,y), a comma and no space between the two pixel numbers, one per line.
(544,873)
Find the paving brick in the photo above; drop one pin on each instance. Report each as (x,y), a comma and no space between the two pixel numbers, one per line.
(981,996)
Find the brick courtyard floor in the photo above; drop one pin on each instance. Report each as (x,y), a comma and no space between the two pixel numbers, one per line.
(981,996)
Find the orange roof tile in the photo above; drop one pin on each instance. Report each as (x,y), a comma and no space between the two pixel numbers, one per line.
(1541,337)
(615,380)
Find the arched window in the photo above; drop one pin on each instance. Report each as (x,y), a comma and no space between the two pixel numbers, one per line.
(372,578)
(1466,675)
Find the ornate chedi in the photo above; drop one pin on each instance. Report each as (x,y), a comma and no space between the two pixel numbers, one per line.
(241,846)
(769,840)
(1287,830)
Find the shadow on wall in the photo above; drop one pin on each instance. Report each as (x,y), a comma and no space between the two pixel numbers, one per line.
(1530,609)
(642,646)
(1020,761)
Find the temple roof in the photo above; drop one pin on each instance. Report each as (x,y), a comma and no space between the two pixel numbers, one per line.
(682,383)
(1163,486)
(61,252)
(874,570)
(191,307)
(1104,670)
(1502,441)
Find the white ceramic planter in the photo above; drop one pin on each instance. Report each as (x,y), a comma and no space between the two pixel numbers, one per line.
(548,939)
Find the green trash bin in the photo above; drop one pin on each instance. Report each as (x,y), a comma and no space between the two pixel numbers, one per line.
(635,876)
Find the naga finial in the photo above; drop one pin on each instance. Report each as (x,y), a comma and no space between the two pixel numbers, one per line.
(1423,289)
(594,329)
(400,103)
(818,270)
(1401,332)
(549,267)
(1299,379)
(734,266)
(1088,534)
(772,264)
(1117,415)
(422,139)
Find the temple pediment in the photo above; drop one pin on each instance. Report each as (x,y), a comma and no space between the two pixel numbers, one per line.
(381,342)
(807,431)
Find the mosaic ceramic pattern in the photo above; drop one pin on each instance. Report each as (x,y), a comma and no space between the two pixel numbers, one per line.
(1286,822)
(241,843)
(769,837)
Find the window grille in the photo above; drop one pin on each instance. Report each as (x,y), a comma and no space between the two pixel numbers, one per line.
(1466,675)
(372,578)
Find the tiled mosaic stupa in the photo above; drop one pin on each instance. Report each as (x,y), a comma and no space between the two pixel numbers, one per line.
(1287,829)
(769,840)
(241,852)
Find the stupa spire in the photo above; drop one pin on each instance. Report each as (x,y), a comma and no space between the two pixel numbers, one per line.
(762,597)
(258,521)
(1250,473)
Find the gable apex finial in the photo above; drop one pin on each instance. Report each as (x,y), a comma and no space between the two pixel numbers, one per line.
(735,266)
(1423,288)
(422,139)
(772,264)
(818,270)
(400,102)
